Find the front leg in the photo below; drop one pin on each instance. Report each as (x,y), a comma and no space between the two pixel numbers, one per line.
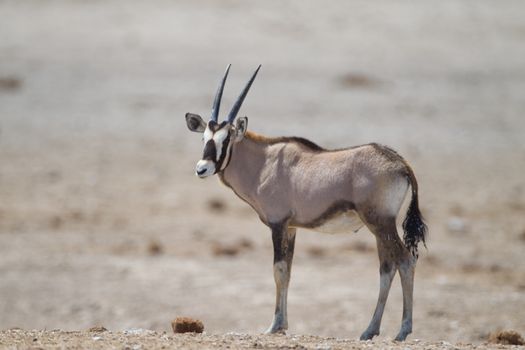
(283,239)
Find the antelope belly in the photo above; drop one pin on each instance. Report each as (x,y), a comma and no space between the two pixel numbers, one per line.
(343,223)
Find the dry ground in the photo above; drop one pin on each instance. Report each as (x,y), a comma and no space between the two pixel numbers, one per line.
(103,222)
(146,339)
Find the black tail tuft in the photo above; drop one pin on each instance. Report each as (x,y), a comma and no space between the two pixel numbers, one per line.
(414,227)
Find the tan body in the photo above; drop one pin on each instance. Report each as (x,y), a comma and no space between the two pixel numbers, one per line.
(292,183)
(286,180)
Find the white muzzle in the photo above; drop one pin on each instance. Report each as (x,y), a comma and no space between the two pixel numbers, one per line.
(204,168)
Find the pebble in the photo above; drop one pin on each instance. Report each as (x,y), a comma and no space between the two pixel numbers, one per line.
(457,224)
(138,331)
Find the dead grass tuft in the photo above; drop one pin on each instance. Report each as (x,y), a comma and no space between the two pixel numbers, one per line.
(217,205)
(219,249)
(361,247)
(316,251)
(155,248)
(436,313)
(431,260)
(471,267)
(456,210)
(56,222)
(232,249)
(245,243)
(10,83)
(187,325)
(76,215)
(97,329)
(506,338)
(357,80)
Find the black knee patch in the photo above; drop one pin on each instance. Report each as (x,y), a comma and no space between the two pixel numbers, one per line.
(385,267)
(279,250)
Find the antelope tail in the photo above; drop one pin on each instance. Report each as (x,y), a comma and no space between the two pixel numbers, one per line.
(413,226)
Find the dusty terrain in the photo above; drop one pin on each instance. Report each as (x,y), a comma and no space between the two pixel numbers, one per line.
(102,220)
(146,339)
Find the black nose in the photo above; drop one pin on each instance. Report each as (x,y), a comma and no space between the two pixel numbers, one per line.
(200,172)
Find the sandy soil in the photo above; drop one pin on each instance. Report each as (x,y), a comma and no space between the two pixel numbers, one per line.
(103,222)
(137,339)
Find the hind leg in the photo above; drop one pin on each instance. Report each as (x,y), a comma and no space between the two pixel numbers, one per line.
(406,272)
(388,246)
(386,275)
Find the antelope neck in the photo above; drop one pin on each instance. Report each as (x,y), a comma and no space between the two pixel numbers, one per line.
(246,161)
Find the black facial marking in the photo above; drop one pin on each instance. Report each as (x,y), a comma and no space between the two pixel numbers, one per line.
(210,152)
(223,152)
(214,126)
(229,158)
(210,148)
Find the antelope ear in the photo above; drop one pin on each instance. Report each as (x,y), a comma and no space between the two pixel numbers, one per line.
(241,125)
(195,122)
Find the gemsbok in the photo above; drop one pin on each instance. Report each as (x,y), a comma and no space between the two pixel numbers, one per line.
(293,183)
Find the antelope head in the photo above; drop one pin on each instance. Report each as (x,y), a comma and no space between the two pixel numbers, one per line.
(218,137)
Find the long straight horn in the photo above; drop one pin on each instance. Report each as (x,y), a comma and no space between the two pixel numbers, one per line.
(238,103)
(218,97)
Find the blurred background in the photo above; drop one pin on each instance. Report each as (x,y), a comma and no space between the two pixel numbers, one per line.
(102,220)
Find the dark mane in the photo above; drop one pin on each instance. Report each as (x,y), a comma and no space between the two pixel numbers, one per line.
(312,146)
(305,142)
(273,140)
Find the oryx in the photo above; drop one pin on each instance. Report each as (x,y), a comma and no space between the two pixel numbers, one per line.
(293,183)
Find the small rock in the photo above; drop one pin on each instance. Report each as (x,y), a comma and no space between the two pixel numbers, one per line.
(138,331)
(323,347)
(457,224)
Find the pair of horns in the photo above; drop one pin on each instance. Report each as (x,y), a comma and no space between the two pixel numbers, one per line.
(237,105)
